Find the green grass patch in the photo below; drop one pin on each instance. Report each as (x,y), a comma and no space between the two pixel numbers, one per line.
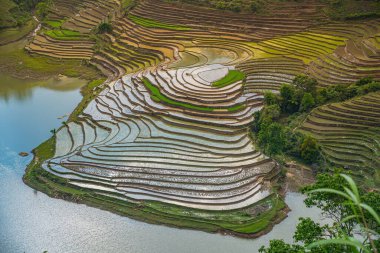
(89,92)
(54,23)
(16,33)
(157,96)
(237,107)
(17,62)
(150,23)
(62,34)
(232,76)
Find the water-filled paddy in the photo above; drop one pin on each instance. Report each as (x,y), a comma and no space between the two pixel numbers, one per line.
(32,222)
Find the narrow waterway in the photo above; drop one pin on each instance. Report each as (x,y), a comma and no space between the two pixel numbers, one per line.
(32,222)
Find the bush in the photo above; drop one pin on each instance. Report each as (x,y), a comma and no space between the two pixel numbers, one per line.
(307,102)
(306,83)
(310,151)
(272,139)
(104,27)
(271,98)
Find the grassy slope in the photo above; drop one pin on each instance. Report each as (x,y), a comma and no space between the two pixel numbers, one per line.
(9,35)
(63,34)
(232,76)
(6,17)
(16,61)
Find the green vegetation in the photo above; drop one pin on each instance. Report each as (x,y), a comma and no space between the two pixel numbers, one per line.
(18,62)
(232,76)
(43,7)
(150,23)
(231,5)
(15,13)
(309,150)
(104,27)
(275,126)
(355,216)
(127,5)
(63,34)
(12,34)
(54,23)
(353,9)
(89,92)
(158,97)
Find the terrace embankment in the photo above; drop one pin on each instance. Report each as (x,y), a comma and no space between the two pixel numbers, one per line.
(349,133)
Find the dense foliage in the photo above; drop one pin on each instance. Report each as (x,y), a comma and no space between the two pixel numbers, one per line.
(104,27)
(273,129)
(354,216)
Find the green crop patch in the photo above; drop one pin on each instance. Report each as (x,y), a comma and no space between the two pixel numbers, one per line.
(54,23)
(150,23)
(232,76)
(65,34)
(157,96)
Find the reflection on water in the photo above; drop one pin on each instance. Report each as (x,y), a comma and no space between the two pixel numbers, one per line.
(21,89)
(197,56)
(32,222)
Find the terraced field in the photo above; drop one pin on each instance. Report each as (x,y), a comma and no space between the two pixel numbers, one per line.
(349,134)
(168,137)
(188,145)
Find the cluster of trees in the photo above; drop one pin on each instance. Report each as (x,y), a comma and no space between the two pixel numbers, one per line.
(104,27)
(231,5)
(294,99)
(238,5)
(352,9)
(16,12)
(354,216)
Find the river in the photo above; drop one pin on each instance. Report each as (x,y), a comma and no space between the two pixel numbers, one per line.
(32,222)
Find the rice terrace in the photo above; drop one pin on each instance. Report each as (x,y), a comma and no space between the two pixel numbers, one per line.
(199,115)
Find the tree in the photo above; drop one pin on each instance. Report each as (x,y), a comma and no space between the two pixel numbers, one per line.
(307,102)
(306,83)
(104,27)
(289,98)
(42,9)
(310,150)
(364,81)
(270,98)
(354,212)
(279,246)
(269,114)
(272,139)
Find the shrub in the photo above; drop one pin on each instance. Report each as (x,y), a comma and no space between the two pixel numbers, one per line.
(271,99)
(306,83)
(307,102)
(364,81)
(310,150)
(104,27)
(272,139)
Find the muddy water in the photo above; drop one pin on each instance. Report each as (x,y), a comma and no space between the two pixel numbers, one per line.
(32,222)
